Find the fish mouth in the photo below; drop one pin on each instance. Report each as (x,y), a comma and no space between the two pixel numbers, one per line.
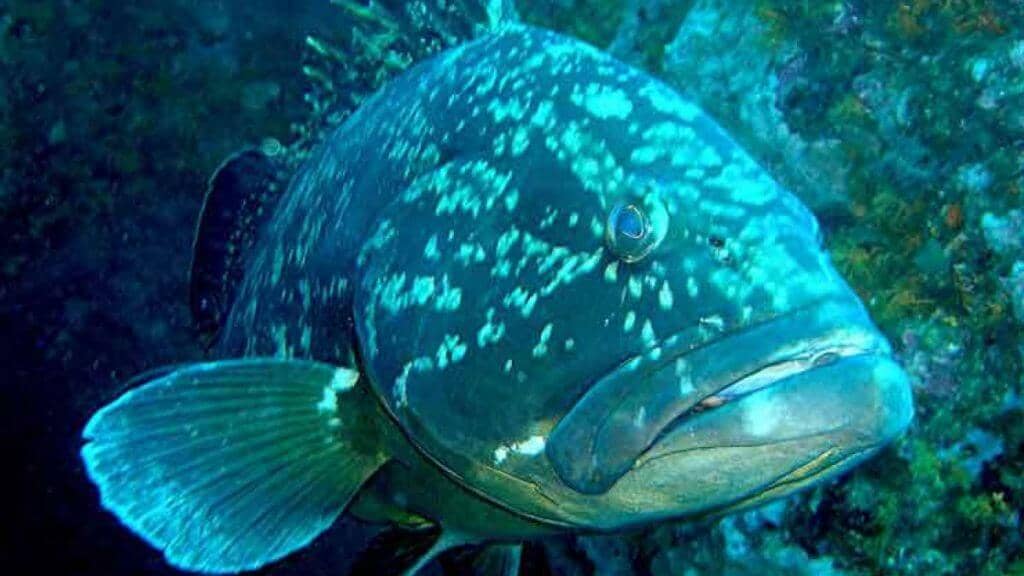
(796,364)
(686,394)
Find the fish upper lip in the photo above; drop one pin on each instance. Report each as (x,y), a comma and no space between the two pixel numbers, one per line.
(772,373)
(766,376)
(810,359)
(677,351)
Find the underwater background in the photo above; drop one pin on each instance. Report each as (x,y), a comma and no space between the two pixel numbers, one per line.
(900,123)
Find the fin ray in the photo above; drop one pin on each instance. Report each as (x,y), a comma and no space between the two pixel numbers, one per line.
(234,475)
(380,39)
(199,462)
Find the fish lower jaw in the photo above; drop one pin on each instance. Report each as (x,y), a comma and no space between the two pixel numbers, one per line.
(825,465)
(662,450)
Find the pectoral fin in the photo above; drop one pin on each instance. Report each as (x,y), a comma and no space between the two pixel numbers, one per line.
(227,466)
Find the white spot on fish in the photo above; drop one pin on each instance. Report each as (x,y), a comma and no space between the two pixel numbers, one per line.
(640,418)
(511,200)
(647,333)
(691,287)
(714,321)
(746,314)
(421,364)
(344,379)
(762,414)
(532,446)
(491,332)
(611,272)
(542,345)
(520,142)
(665,296)
(431,252)
(451,350)
(329,402)
(682,372)
(664,100)
(605,102)
(636,287)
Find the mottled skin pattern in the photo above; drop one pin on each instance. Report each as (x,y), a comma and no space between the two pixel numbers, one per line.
(451,237)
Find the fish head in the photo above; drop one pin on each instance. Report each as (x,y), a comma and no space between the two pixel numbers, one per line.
(605,312)
(749,367)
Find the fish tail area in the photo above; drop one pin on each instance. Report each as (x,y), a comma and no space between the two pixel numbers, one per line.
(381,39)
(448,540)
(496,560)
(226,466)
(397,550)
(404,552)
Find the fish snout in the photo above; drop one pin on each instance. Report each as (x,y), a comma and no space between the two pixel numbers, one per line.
(849,406)
(888,407)
(821,380)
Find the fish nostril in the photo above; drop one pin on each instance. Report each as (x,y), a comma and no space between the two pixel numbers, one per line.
(824,359)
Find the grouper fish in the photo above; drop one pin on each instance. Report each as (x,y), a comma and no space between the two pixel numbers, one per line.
(525,289)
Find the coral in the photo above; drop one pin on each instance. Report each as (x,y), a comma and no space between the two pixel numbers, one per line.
(1014,285)
(1004,234)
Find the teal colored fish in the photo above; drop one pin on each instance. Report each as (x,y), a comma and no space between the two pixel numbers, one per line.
(525,289)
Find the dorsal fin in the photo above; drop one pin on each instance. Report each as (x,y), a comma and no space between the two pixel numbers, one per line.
(240,197)
(379,40)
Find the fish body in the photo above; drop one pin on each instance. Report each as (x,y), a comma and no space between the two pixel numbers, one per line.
(526,289)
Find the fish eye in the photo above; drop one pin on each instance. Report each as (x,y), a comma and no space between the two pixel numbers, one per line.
(633,230)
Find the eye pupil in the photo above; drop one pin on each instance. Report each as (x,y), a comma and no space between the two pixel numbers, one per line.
(630,222)
(633,230)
